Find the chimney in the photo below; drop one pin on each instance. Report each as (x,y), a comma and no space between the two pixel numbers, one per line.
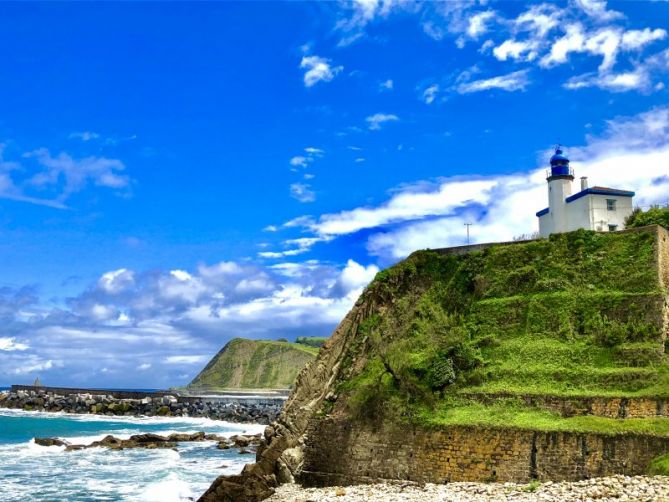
(584,182)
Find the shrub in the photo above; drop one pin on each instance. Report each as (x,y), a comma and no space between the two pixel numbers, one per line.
(656,215)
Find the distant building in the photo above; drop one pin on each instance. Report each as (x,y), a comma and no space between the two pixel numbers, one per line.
(37,383)
(597,208)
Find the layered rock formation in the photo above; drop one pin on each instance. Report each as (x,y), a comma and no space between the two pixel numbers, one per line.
(513,363)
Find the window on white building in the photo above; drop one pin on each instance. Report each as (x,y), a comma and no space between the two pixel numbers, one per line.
(611,204)
(613,228)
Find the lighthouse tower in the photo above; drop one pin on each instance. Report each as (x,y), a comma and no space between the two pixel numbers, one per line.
(560,179)
(598,208)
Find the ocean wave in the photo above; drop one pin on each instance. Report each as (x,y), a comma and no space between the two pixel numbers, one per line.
(245,428)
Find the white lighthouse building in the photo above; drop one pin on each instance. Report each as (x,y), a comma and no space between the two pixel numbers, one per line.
(597,208)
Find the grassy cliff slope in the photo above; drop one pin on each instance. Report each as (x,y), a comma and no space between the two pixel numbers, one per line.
(254,364)
(465,339)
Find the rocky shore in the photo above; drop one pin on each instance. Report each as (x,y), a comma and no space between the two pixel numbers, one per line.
(245,444)
(610,489)
(146,406)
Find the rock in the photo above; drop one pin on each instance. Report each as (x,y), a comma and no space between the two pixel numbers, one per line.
(50,442)
(148,438)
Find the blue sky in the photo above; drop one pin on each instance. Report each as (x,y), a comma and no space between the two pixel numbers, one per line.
(173,175)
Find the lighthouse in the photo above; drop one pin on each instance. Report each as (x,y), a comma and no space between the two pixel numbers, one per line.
(598,208)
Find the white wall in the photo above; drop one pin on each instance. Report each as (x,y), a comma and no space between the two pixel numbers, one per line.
(579,214)
(602,217)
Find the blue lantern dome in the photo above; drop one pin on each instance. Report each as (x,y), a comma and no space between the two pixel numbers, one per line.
(560,164)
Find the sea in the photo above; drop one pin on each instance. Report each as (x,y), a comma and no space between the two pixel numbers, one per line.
(37,473)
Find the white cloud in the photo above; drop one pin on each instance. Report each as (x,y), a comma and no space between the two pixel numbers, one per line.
(357,14)
(10,344)
(539,20)
(619,82)
(195,359)
(302,192)
(84,135)
(597,10)
(374,121)
(77,173)
(295,247)
(409,204)
(116,281)
(387,85)
(353,279)
(607,42)
(318,69)
(311,153)
(516,81)
(299,160)
(430,94)
(636,39)
(479,23)
(518,51)
(32,365)
(144,366)
(54,179)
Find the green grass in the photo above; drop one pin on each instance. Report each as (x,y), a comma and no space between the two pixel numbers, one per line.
(510,414)
(659,466)
(576,315)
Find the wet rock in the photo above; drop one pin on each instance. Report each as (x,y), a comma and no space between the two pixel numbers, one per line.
(50,442)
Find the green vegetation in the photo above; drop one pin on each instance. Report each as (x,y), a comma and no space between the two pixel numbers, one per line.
(576,315)
(513,413)
(254,364)
(655,215)
(531,487)
(659,466)
(311,341)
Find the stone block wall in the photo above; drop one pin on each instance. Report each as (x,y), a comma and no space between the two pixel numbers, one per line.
(338,452)
(609,407)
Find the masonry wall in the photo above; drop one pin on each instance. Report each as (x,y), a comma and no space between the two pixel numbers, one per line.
(338,452)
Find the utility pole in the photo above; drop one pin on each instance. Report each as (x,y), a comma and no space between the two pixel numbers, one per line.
(468,225)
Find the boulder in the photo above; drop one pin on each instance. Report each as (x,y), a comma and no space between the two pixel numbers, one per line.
(50,442)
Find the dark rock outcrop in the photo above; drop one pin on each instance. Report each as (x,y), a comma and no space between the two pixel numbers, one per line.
(152,441)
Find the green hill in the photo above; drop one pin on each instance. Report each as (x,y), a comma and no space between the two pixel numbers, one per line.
(254,364)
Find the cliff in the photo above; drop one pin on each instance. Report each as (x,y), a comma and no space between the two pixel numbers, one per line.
(536,360)
(254,364)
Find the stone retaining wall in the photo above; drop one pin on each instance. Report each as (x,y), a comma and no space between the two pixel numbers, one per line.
(609,407)
(367,452)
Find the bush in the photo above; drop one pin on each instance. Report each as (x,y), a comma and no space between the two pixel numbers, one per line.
(656,215)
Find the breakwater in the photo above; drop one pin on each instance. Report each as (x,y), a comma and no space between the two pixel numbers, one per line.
(124,403)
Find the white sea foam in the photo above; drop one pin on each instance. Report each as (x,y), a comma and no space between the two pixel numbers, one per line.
(146,420)
(32,472)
